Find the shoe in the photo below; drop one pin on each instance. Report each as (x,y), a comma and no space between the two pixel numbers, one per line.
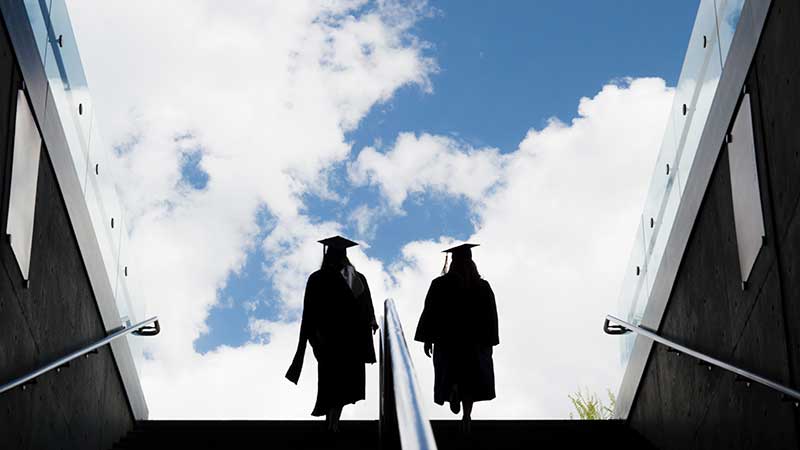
(466,425)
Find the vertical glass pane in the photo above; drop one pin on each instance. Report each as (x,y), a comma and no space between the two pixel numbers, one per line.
(70,69)
(678,114)
(57,101)
(24,177)
(104,209)
(37,11)
(658,243)
(698,67)
(122,292)
(728,14)
(633,295)
(69,95)
(85,166)
(661,184)
(697,116)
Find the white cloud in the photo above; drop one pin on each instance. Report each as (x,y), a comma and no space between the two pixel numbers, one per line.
(428,163)
(365,220)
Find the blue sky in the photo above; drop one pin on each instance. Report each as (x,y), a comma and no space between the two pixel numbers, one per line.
(501,72)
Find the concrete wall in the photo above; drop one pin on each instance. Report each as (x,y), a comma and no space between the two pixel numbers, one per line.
(681,404)
(85,405)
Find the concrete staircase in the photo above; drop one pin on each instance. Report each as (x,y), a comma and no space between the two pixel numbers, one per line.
(356,435)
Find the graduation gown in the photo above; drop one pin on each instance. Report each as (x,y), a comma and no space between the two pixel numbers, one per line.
(337,324)
(461,322)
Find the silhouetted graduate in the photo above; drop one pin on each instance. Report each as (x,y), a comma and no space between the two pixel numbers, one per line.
(338,320)
(459,324)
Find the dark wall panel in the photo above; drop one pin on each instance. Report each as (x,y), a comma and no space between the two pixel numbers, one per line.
(681,404)
(790,265)
(83,406)
(651,425)
(742,416)
(777,81)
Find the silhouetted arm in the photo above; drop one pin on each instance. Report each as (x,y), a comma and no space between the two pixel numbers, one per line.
(427,320)
(307,332)
(373,324)
(493,333)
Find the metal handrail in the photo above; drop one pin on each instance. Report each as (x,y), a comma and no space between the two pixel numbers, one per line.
(623,327)
(141,329)
(413,426)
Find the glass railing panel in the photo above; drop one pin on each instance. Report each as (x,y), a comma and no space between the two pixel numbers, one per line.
(700,71)
(697,90)
(88,167)
(71,70)
(104,207)
(37,11)
(728,15)
(122,291)
(640,273)
(661,184)
(59,102)
(127,289)
(633,294)
(658,243)
(68,96)
(131,281)
(691,104)
(701,42)
(105,239)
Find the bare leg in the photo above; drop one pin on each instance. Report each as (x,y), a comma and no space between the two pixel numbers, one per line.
(336,414)
(467,417)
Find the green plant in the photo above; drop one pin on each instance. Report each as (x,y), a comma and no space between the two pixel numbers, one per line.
(590,407)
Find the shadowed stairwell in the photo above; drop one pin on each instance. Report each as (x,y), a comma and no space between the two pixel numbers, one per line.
(403,422)
(301,434)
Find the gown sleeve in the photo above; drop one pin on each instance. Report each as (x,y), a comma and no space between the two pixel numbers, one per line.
(369,318)
(492,335)
(427,320)
(307,331)
(370,309)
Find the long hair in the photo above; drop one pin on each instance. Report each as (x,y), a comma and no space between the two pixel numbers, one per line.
(464,267)
(335,258)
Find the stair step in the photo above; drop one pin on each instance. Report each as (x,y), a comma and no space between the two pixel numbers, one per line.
(229,434)
(514,434)
(356,435)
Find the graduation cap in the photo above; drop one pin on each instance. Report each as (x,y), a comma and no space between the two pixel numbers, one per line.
(337,242)
(460,250)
